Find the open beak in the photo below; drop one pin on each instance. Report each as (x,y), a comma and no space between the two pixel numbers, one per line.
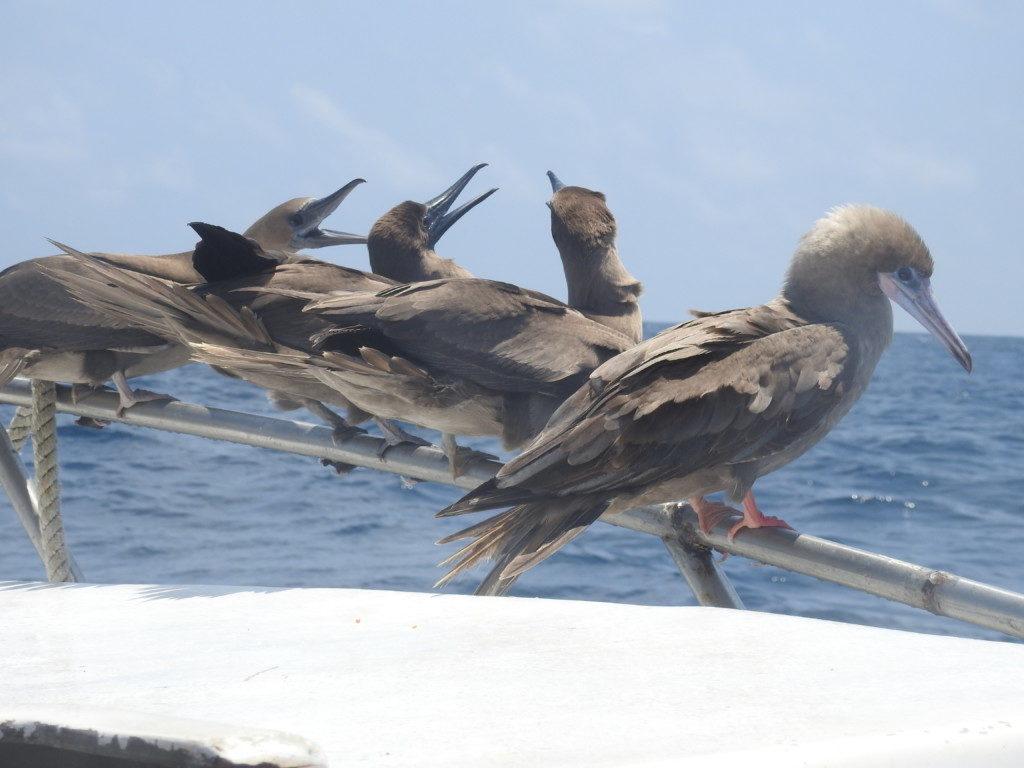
(306,221)
(556,183)
(439,218)
(917,298)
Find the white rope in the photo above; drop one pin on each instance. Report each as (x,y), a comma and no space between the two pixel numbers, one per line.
(20,428)
(44,449)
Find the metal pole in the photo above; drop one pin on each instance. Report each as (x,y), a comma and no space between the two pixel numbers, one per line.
(938,592)
(710,586)
(932,590)
(423,463)
(14,479)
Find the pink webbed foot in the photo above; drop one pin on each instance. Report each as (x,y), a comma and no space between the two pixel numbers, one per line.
(710,513)
(753,517)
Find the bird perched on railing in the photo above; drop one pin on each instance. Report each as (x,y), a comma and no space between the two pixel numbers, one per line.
(479,357)
(462,355)
(240,274)
(714,403)
(47,334)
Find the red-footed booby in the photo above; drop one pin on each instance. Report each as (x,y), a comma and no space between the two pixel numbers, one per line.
(477,357)
(714,403)
(47,334)
(240,274)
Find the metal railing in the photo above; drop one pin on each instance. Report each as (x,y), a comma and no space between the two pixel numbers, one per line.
(938,592)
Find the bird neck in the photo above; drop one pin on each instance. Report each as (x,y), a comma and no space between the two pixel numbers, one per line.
(408,264)
(601,288)
(865,317)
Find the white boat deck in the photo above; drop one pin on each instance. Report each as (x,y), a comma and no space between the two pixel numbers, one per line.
(385,678)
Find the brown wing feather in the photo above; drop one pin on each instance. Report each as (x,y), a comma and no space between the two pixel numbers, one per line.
(703,394)
(495,334)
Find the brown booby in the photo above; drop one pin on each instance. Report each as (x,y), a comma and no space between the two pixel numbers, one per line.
(47,334)
(714,403)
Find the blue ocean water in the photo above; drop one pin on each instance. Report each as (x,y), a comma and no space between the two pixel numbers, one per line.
(929,467)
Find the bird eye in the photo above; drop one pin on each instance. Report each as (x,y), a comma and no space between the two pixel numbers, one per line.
(905,274)
(295,219)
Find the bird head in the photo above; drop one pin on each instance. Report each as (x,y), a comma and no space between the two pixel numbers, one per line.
(580,220)
(295,224)
(410,228)
(857,255)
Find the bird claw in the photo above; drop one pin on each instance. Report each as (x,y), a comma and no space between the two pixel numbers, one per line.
(465,456)
(387,445)
(90,422)
(395,435)
(137,396)
(339,467)
(344,431)
(765,522)
(711,513)
(460,456)
(80,392)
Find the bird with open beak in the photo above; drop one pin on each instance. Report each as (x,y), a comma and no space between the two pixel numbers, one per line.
(401,242)
(469,356)
(714,403)
(247,305)
(46,333)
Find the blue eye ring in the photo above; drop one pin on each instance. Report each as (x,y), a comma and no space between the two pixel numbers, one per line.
(905,274)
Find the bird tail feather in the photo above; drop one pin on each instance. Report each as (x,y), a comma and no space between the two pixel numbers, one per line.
(162,307)
(12,361)
(519,539)
(485,496)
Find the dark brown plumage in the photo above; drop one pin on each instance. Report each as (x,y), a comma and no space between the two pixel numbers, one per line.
(241,275)
(490,358)
(46,333)
(711,404)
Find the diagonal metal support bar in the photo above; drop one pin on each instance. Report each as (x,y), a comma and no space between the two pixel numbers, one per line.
(697,564)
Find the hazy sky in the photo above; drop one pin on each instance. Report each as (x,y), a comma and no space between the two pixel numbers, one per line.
(719,131)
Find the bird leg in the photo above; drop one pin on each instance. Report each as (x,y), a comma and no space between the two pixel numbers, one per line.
(710,513)
(753,517)
(127,397)
(395,435)
(341,430)
(81,391)
(460,455)
(78,393)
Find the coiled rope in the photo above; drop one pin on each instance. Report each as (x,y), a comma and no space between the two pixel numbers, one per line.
(44,451)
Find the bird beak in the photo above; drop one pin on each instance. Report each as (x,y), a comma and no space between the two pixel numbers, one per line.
(556,183)
(917,298)
(305,223)
(438,218)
